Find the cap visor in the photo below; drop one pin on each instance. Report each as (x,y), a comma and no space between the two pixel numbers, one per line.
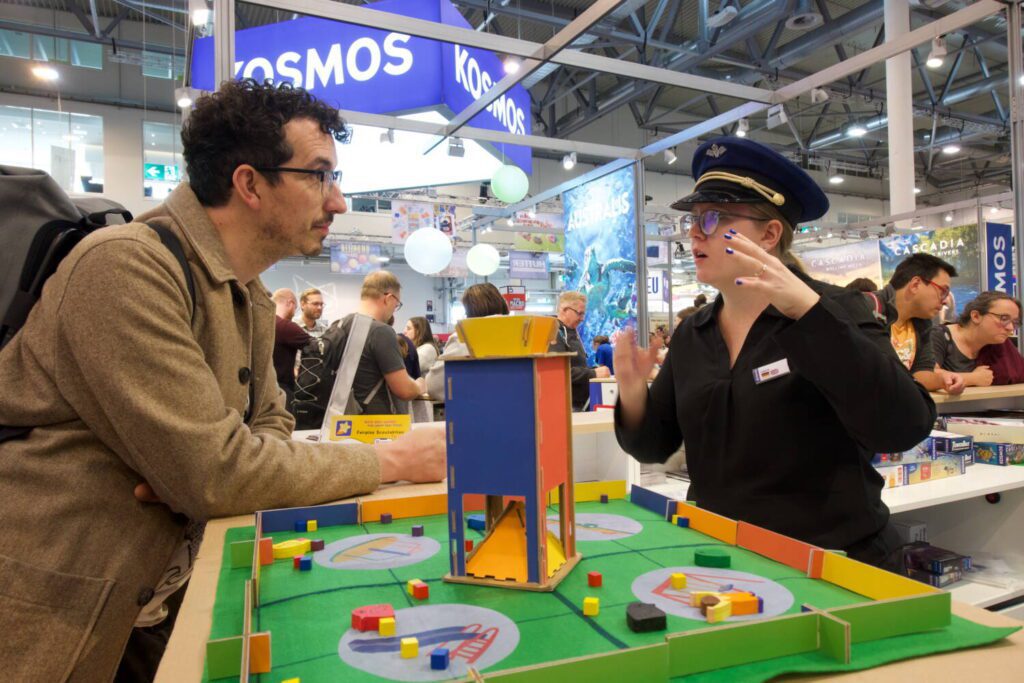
(709,195)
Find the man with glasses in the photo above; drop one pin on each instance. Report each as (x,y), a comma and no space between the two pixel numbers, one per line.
(572,308)
(913,297)
(150,413)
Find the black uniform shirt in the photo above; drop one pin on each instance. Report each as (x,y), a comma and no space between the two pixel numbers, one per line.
(792,454)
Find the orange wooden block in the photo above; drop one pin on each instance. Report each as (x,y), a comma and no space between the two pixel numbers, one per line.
(815,563)
(402,508)
(420,591)
(259,653)
(744,603)
(774,546)
(267,551)
(716,526)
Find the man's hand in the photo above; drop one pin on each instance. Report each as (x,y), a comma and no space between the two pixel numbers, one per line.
(601,372)
(144,494)
(416,456)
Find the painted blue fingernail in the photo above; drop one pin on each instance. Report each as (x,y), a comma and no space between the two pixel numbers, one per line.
(739,282)
(728,250)
(728,237)
(732,231)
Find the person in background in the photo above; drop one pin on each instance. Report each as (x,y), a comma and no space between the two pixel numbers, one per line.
(479,301)
(311,303)
(700,300)
(572,308)
(603,353)
(289,338)
(784,387)
(914,295)
(948,312)
(143,416)
(409,356)
(862,284)
(418,330)
(978,346)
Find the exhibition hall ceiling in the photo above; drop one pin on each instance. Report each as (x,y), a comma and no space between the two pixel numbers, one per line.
(762,43)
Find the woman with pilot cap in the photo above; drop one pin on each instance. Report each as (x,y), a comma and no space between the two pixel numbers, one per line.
(784,387)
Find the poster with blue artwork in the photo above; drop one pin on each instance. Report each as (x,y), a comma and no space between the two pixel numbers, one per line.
(957,245)
(600,252)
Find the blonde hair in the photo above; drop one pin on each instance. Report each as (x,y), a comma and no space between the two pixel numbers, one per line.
(379,283)
(282,296)
(785,244)
(571,297)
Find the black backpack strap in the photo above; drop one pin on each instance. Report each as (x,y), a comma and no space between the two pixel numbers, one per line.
(173,244)
(876,307)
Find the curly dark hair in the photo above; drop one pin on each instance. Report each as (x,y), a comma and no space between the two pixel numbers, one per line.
(243,123)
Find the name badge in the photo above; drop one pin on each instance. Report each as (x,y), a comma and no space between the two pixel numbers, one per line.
(767,373)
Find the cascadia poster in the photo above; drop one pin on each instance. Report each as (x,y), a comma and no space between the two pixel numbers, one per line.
(958,246)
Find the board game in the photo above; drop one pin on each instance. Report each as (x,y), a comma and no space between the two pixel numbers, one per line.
(821,611)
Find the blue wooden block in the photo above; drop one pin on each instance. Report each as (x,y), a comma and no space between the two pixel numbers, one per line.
(439,659)
(683,522)
(476,522)
(385,518)
(284,519)
(417,530)
(650,500)
(803,608)
(305,563)
(300,525)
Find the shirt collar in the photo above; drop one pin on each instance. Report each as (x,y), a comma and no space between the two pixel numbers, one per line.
(709,312)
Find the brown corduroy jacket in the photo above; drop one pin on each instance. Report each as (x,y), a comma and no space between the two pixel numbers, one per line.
(123,384)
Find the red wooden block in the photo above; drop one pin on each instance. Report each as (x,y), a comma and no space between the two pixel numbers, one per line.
(420,591)
(266,551)
(594,579)
(469,545)
(296,561)
(368,618)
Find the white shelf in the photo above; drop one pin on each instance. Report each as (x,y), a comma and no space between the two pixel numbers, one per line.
(982,595)
(977,481)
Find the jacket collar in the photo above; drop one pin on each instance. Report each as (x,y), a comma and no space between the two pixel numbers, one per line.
(184,207)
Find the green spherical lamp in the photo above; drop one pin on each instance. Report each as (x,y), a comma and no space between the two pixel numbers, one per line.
(510,184)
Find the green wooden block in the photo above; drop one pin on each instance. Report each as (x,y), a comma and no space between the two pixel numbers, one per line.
(649,663)
(241,553)
(896,617)
(712,557)
(224,658)
(741,643)
(834,638)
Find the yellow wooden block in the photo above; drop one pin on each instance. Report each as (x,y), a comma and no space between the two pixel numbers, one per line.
(504,336)
(297,546)
(871,582)
(386,626)
(311,525)
(409,585)
(719,612)
(678,581)
(716,526)
(410,648)
(591,606)
(697,596)
(292,680)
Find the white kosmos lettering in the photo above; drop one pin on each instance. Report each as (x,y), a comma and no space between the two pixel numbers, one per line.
(476,81)
(361,60)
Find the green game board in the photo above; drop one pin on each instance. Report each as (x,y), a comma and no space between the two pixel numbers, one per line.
(308,613)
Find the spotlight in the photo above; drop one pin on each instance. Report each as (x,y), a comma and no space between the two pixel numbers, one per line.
(388,136)
(45,73)
(201,17)
(183,97)
(742,127)
(670,157)
(722,17)
(856,130)
(456,148)
(836,180)
(951,149)
(511,65)
(993,211)
(917,190)
(569,161)
(949,218)
(938,53)
(509,222)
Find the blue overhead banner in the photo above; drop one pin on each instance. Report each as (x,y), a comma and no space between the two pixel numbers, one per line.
(600,252)
(999,255)
(376,71)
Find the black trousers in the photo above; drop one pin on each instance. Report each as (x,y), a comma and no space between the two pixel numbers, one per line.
(146,645)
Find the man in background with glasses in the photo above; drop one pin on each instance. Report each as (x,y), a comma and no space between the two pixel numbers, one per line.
(914,296)
(153,411)
(572,309)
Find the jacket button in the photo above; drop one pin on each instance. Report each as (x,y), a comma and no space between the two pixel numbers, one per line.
(244,374)
(145,595)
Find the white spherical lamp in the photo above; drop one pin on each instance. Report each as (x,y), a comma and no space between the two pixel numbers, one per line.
(483,259)
(428,251)
(510,184)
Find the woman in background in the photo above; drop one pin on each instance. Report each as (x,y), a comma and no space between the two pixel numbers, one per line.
(418,330)
(978,345)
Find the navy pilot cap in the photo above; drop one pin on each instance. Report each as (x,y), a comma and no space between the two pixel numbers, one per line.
(731,170)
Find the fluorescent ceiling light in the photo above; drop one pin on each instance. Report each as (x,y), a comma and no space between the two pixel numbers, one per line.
(951,149)
(836,180)
(670,157)
(856,130)
(917,190)
(45,73)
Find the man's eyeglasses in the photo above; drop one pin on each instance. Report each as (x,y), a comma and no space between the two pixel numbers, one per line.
(577,312)
(943,291)
(327,178)
(1006,320)
(709,220)
(399,306)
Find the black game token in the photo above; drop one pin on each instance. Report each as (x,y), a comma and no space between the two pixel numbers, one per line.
(643,617)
